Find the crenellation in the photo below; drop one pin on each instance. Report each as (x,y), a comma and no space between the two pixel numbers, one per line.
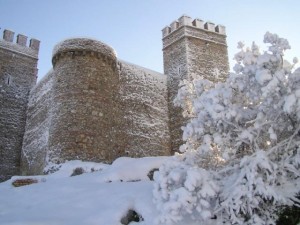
(8,35)
(34,44)
(198,23)
(185,21)
(166,31)
(21,39)
(32,49)
(209,26)
(174,25)
(221,29)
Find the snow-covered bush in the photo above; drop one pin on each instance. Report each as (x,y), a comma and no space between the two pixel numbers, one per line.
(184,190)
(242,137)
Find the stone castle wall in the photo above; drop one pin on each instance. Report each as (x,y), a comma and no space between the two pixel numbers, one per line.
(38,123)
(144,102)
(94,107)
(18,70)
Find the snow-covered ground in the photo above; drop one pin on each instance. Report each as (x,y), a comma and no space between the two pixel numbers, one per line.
(101,197)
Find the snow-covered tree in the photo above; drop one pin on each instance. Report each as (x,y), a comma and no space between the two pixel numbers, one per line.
(241,141)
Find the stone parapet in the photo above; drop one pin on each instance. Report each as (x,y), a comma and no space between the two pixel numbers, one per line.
(186,27)
(20,46)
(196,23)
(82,47)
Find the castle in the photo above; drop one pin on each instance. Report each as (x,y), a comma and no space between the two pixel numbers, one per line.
(93,106)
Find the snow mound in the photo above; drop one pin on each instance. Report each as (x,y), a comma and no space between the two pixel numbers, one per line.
(92,198)
(130,169)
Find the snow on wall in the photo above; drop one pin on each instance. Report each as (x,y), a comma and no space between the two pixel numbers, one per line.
(144,99)
(35,142)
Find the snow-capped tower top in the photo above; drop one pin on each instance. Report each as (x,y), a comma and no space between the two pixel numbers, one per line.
(196,23)
(32,49)
(83,46)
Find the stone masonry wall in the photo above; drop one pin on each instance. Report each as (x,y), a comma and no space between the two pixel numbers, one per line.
(18,70)
(86,122)
(207,59)
(191,47)
(175,66)
(92,107)
(38,122)
(144,103)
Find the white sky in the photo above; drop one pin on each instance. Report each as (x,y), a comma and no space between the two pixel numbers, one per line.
(133,27)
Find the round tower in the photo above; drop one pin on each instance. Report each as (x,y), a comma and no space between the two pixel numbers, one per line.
(86,120)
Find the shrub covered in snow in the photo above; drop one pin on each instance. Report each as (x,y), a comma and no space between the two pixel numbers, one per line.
(183,190)
(241,142)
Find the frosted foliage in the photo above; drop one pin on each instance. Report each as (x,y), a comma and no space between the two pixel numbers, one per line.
(181,191)
(244,133)
(251,186)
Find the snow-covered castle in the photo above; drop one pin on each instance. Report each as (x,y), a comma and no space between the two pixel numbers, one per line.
(93,106)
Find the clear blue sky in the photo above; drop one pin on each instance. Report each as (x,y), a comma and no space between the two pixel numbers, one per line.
(133,27)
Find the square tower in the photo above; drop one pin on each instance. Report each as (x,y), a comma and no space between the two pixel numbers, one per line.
(18,74)
(191,47)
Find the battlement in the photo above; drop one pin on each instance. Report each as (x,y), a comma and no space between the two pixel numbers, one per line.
(20,46)
(196,23)
(8,36)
